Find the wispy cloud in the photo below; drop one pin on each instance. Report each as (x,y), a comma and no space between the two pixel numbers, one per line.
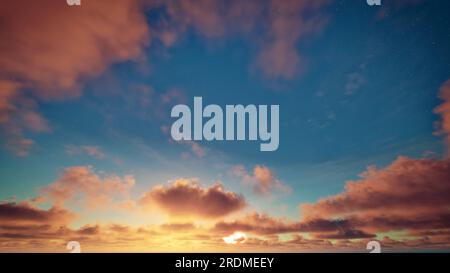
(262,180)
(93,151)
(80,185)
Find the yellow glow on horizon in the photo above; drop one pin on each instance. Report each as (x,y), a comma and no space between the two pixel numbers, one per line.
(235,238)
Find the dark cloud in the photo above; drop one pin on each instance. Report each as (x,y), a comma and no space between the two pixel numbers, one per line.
(25,213)
(186,197)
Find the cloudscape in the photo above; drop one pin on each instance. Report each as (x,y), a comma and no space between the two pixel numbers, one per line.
(360,139)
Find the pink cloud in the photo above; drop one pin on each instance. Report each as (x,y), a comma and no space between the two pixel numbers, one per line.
(409,194)
(283,24)
(39,60)
(444,111)
(81,185)
(263,180)
(288,22)
(185,197)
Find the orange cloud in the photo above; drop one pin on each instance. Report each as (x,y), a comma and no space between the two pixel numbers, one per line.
(81,185)
(41,60)
(185,197)
(47,49)
(263,180)
(177,226)
(444,111)
(409,194)
(283,23)
(38,51)
(288,22)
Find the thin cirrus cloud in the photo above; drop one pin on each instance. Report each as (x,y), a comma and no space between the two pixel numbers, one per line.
(90,150)
(186,197)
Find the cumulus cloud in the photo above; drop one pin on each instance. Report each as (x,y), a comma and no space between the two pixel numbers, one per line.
(81,185)
(409,194)
(26,213)
(47,49)
(263,179)
(53,62)
(185,197)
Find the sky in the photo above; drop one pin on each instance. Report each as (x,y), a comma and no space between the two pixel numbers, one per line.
(86,151)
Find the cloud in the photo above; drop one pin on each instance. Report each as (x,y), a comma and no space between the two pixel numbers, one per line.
(26,213)
(196,149)
(20,146)
(288,22)
(444,111)
(93,151)
(264,224)
(41,60)
(409,194)
(177,226)
(51,61)
(282,23)
(347,234)
(185,197)
(81,185)
(263,179)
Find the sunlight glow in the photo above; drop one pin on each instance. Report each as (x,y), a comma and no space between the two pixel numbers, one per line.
(235,238)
